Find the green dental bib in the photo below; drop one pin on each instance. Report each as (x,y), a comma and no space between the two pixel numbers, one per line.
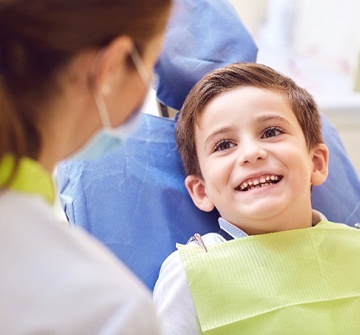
(304,281)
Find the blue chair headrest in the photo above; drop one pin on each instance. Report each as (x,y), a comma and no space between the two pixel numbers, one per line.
(202,36)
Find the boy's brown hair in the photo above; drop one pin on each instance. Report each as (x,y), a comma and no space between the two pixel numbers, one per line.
(233,76)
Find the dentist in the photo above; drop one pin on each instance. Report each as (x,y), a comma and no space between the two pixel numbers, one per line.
(72,76)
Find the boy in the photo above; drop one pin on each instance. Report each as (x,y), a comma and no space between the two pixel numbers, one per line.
(251,144)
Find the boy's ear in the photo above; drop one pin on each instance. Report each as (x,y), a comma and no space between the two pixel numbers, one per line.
(320,160)
(196,189)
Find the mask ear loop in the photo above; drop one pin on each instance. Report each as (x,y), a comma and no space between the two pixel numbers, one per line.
(102,110)
(140,67)
(97,96)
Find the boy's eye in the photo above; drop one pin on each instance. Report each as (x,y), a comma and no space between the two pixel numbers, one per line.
(223,145)
(271,132)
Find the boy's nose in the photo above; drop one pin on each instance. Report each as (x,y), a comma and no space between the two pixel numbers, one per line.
(251,152)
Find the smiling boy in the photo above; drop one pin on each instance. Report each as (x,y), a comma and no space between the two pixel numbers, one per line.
(251,144)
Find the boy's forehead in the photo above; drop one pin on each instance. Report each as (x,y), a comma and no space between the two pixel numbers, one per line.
(233,97)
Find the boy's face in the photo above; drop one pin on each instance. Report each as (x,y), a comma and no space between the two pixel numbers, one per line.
(257,170)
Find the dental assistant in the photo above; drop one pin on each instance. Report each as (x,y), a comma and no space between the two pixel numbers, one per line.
(72,76)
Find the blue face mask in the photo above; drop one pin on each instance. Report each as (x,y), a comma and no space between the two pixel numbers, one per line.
(108,139)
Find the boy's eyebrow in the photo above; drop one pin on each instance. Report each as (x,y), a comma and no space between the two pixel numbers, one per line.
(216,133)
(268,117)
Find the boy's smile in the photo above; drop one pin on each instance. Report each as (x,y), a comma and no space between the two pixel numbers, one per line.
(257,182)
(257,169)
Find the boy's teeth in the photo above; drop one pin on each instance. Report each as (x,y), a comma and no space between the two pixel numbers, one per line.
(260,182)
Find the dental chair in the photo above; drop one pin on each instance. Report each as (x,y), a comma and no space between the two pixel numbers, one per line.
(134,200)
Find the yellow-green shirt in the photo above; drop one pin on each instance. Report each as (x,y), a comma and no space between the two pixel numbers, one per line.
(30,177)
